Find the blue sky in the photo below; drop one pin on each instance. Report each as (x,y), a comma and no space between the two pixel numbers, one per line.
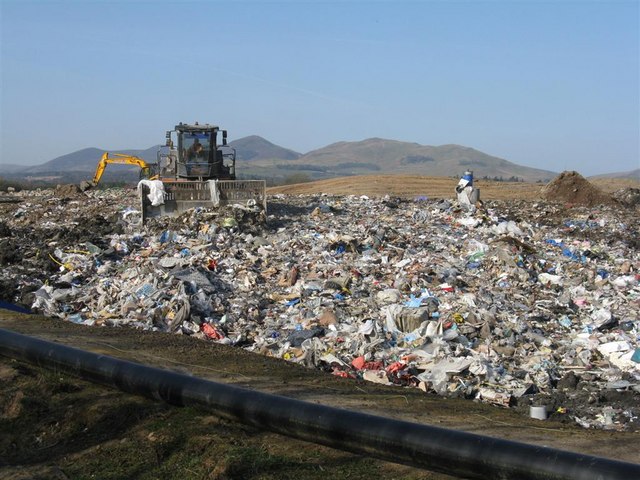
(552,85)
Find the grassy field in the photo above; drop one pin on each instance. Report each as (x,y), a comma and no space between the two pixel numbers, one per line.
(431,187)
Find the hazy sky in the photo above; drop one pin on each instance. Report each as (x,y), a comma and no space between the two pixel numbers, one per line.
(552,85)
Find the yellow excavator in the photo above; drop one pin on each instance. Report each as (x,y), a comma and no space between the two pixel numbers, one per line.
(148,171)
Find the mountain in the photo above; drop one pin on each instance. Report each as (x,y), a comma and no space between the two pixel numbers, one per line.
(10,168)
(259,158)
(80,160)
(254,147)
(86,160)
(632,175)
(379,155)
(78,166)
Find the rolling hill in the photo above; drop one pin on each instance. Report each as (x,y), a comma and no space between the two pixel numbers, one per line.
(632,174)
(78,166)
(254,148)
(86,160)
(383,156)
(259,158)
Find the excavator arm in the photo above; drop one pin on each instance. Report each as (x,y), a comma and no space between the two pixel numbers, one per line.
(122,159)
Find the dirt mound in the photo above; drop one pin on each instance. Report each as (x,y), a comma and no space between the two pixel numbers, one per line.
(571,187)
(67,191)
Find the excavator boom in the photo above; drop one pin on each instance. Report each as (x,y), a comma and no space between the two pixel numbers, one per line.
(147,170)
(122,159)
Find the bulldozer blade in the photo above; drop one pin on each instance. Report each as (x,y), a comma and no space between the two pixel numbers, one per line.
(180,196)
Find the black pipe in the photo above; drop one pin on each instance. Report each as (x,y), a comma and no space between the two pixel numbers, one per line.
(14,308)
(437,449)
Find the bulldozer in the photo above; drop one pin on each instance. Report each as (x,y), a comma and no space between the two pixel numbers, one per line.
(147,170)
(197,168)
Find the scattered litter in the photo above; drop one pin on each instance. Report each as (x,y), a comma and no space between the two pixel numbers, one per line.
(538,412)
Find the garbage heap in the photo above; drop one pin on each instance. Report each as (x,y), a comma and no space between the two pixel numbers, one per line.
(516,304)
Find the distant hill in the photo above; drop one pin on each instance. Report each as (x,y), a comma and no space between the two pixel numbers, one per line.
(378,156)
(632,174)
(86,160)
(259,158)
(79,165)
(10,168)
(253,148)
(81,160)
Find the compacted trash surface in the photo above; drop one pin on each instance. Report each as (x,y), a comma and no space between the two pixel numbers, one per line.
(518,304)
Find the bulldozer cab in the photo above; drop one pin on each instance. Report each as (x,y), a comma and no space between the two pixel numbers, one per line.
(197,155)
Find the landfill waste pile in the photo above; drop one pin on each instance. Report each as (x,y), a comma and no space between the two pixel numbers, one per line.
(516,303)
(628,196)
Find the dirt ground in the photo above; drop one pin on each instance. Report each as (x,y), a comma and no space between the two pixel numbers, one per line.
(56,426)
